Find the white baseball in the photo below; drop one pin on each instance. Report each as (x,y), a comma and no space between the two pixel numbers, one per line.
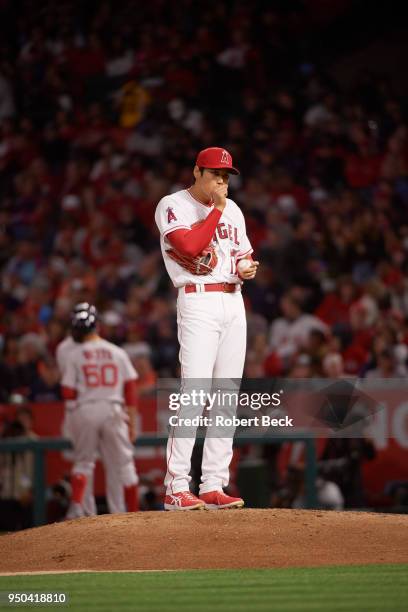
(243,265)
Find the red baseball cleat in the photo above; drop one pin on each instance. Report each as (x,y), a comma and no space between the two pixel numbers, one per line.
(184,500)
(217,500)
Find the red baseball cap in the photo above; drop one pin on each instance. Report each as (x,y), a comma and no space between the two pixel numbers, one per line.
(215,157)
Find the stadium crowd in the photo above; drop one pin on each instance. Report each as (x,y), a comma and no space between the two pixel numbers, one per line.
(102,112)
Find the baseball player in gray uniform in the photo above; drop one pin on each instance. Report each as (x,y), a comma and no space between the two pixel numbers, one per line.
(100,379)
(114,490)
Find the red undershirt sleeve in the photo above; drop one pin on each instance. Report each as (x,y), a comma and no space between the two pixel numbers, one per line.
(130,392)
(68,393)
(192,242)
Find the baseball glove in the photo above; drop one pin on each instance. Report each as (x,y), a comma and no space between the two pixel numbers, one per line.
(201,265)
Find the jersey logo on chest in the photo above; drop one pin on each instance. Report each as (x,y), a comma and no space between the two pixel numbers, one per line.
(226,231)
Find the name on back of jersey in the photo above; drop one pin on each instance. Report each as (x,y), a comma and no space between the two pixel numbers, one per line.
(99,353)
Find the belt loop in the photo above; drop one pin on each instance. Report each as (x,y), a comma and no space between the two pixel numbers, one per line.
(200,288)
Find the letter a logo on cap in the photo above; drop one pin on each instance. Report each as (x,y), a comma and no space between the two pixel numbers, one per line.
(225,158)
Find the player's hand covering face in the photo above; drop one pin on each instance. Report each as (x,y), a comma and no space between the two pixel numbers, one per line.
(213,184)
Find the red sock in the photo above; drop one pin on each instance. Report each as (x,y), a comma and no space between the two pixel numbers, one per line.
(78,484)
(132,498)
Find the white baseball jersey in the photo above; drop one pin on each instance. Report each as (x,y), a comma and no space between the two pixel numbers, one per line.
(181,210)
(98,370)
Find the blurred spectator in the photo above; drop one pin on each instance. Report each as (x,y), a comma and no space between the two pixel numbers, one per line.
(291,493)
(398,491)
(147,377)
(149,499)
(290,332)
(333,366)
(17,473)
(302,367)
(386,366)
(341,462)
(58,500)
(335,307)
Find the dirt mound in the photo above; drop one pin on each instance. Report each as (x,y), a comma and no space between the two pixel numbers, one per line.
(198,540)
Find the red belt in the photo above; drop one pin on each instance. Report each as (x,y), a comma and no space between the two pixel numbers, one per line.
(224,287)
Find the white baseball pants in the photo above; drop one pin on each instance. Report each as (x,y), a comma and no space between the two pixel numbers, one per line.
(212,337)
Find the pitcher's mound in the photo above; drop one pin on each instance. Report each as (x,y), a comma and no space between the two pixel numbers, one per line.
(204,540)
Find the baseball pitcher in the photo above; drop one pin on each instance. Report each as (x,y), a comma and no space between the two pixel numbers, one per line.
(207,255)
